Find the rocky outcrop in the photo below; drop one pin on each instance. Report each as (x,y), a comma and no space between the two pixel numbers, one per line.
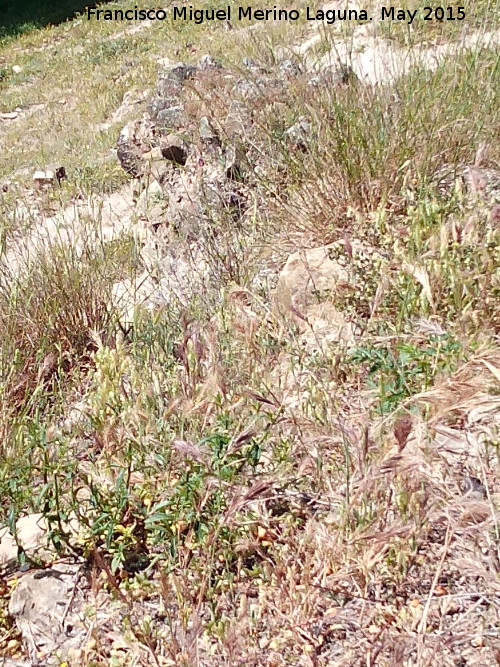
(30,539)
(199,175)
(308,278)
(330,291)
(304,292)
(165,114)
(195,146)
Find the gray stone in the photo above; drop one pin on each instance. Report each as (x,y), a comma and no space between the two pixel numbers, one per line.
(207,132)
(208,62)
(182,71)
(290,68)
(298,133)
(31,537)
(45,605)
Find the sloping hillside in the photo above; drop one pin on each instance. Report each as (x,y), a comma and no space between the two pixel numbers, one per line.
(249,344)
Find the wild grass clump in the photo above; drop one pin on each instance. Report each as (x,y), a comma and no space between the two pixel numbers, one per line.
(56,308)
(382,147)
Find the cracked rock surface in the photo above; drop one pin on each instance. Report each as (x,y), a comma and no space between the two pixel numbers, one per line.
(43,605)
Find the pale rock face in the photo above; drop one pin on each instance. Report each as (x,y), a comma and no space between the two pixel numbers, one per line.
(43,178)
(31,536)
(302,294)
(43,605)
(327,326)
(132,293)
(306,276)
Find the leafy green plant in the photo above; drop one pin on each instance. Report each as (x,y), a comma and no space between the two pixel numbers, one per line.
(398,372)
